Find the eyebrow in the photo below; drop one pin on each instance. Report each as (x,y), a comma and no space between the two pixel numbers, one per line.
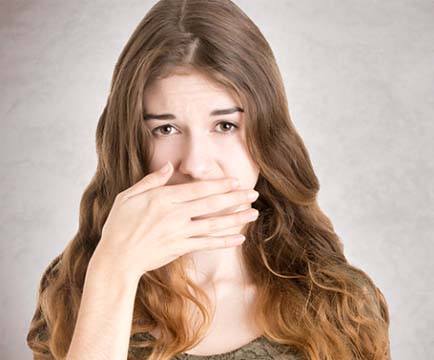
(213,113)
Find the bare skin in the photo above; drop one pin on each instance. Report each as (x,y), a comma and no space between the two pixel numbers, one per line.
(202,147)
(192,210)
(149,225)
(233,324)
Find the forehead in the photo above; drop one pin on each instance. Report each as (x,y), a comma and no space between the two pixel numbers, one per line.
(184,90)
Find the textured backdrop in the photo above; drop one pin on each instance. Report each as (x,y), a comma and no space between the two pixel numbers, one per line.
(359,76)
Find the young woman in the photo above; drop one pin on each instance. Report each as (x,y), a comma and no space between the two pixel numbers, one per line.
(155,270)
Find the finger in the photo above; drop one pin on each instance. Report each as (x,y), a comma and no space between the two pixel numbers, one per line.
(152,180)
(214,224)
(213,242)
(186,192)
(219,202)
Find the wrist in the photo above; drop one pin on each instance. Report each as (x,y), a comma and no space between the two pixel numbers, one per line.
(103,271)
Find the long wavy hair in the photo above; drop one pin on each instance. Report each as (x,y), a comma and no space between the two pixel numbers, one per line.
(309,297)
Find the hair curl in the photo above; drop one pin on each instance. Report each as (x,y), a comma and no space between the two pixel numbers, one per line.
(309,296)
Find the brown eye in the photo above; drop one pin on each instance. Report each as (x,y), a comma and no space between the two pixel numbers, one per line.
(231,126)
(165,126)
(227,129)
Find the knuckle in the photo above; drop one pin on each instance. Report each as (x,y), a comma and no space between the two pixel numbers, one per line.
(120,196)
(220,201)
(196,190)
(245,196)
(156,197)
(176,212)
(152,194)
(251,215)
(209,202)
(241,217)
(208,243)
(147,198)
(212,224)
(177,248)
(152,206)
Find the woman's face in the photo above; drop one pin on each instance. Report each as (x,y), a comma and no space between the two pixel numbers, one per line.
(200,145)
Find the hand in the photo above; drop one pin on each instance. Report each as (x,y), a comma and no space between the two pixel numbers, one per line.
(150,224)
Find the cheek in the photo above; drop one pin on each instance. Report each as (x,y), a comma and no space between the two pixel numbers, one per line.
(238,163)
(161,154)
(231,150)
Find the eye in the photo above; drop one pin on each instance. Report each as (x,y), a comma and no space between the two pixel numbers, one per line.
(232,126)
(165,126)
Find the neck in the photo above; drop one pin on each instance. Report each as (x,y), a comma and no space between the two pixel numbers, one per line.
(222,266)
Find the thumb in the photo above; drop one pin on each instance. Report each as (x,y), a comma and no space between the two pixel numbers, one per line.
(166,168)
(157,178)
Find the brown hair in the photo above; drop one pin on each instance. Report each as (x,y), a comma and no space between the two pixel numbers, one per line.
(309,296)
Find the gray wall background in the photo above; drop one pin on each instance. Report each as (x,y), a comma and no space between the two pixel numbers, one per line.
(359,77)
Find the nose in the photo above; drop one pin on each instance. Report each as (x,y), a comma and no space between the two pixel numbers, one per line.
(197,158)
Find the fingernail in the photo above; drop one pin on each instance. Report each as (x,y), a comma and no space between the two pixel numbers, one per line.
(165,169)
(253,195)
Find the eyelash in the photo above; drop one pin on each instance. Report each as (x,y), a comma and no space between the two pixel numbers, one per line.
(234,126)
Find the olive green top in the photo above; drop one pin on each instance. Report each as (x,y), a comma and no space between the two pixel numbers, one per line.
(260,348)
(257,349)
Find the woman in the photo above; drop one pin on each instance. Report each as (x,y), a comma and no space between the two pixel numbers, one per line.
(155,270)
